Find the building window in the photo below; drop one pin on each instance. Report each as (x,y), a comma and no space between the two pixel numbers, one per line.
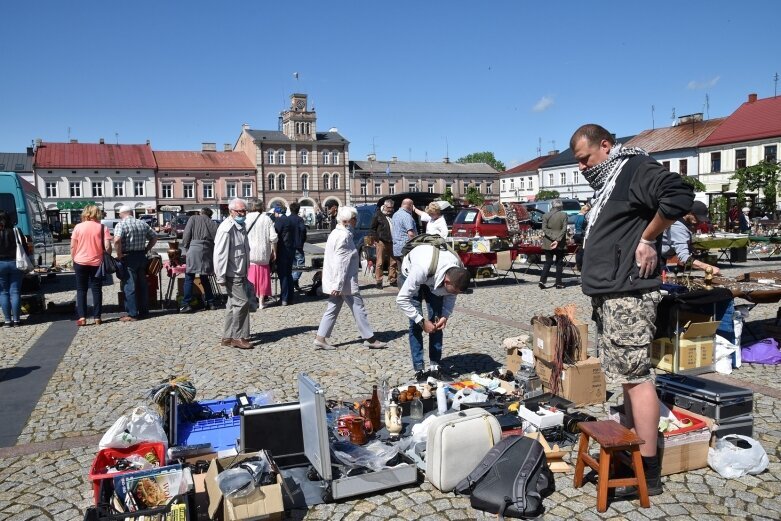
(246,189)
(167,191)
(392,188)
(75,188)
(377,188)
(271,182)
(771,153)
(479,187)
(304,157)
(119,189)
(363,188)
(466,186)
(512,184)
(740,158)
(504,187)
(51,189)
(563,178)
(208,191)
(550,179)
(715,162)
(575,177)
(326,158)
(281,157)
(188,190)
(413,187)
(431,188)
(231,190)
(335,157)
(666,165)
(448,188)
(282,181)
(683,167)
(529,184)
(326,181)
(489,188)
(335,182)
(304,181)
(138,188)
(97,189)
(270,157)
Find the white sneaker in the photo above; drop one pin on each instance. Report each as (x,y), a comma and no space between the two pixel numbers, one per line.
(376,344)
(323,345)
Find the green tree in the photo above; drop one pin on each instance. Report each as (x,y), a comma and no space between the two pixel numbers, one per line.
(473,196)
(718,211)
(762,176)
(448,195)
(696,184)
(544,195)
(483,157)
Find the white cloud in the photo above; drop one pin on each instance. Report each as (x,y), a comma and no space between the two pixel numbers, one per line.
(696,85)
(544,104)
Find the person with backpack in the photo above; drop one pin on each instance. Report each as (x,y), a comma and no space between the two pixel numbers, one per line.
(432,272)
(340,282)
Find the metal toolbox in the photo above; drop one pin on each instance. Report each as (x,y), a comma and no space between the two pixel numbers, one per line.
(740,425)
(709,398)
(318,451)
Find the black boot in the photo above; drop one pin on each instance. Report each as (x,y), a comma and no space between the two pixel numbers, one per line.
(653,480)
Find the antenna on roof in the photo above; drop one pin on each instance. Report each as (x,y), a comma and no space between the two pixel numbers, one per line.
(653,121)
(116,137)
(447,148)
(707,106)
(553,142)
(775,85)
(539,146)
(69,134)
(673,116)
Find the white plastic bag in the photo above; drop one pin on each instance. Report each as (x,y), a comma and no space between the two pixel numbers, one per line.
(723,354)
(143,424)
(735,455)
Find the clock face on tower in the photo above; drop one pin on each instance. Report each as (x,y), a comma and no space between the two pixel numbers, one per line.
(300,104)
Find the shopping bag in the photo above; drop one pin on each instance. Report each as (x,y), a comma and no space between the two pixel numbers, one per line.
(735,455)
(23,261)
(252,297)
(143,424)
(107,280)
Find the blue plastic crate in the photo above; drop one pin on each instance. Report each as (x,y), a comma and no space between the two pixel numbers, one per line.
(220,432)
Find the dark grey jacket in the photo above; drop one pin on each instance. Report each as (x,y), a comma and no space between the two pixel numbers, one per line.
(554,228)
(643,188)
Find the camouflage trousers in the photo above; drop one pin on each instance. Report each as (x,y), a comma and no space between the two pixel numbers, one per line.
(625,329)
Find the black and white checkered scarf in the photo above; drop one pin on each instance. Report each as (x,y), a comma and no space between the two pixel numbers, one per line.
(602,178)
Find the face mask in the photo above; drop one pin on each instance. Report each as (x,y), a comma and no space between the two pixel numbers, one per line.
(240,219)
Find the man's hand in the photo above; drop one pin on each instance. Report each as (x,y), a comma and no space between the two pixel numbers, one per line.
(441,323)
(428,326)
(646,259)
(336,293)
(554,245)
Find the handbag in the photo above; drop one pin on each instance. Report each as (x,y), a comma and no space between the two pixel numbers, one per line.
(511,480)
(109,264)
(23,262)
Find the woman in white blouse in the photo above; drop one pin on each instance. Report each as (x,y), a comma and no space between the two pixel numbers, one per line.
(433,217)
(340,282)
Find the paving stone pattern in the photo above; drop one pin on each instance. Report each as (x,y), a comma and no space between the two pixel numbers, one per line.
(108,369)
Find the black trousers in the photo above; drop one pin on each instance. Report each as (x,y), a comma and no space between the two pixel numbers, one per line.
(558,254)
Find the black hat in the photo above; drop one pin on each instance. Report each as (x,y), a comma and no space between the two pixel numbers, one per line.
(700,211)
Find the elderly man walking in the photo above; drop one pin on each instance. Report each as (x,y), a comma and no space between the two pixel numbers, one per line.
(133,239)
(382,227)
(231,261)
(403,227)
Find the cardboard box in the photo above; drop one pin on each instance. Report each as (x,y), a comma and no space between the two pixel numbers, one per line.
(513,346)
(695,348)
(582,383)
(264,503)
(544,341)
(680,453)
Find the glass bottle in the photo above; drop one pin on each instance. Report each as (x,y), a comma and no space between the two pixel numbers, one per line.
(374,412)
(416,409)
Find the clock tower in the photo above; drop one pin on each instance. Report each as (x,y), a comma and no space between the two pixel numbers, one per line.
(298,123)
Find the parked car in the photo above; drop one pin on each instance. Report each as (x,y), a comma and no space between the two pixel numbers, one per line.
(180,221)
(149,219)
(110,224)
(570,206)
(24,206)
(470,223)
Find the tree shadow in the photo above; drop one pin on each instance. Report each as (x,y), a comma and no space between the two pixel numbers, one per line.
(467,363)
(11,373)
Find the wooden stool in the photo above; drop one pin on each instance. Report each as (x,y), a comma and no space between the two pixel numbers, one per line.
(612,438)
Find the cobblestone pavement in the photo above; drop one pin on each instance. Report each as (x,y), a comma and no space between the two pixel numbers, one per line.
(108,369)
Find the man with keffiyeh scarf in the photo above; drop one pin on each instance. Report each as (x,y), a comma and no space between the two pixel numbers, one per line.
(635,200)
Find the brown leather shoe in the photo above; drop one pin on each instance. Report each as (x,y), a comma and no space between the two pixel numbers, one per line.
(240,343)
(225,342)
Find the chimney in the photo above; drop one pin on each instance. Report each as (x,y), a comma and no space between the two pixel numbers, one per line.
(446,159)
(74,140)
(30,151)
(752,98)
(394,159)
(148,142)
(38,142)
(102,141)
(227,147)
(208,147)
(245,126)
(553,152)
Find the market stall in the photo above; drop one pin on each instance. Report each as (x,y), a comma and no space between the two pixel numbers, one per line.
(731,247)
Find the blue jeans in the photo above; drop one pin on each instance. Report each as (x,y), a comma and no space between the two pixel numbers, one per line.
(10,286)
(416,332)
(189,282)
(298,262)
(85,277)
(135,287)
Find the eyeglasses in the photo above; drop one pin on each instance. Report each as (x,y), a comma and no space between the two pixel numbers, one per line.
(240,211)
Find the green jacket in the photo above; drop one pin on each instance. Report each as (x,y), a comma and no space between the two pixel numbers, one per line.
(554,228)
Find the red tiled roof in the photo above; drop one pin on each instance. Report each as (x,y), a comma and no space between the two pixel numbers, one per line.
(528,166)
(753,120)
(93,155)
(687,135)
(212,161)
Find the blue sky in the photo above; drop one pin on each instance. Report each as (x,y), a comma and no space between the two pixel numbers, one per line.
(412,79)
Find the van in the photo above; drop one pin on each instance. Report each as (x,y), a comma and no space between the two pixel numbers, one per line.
(569,206)
(26,210)
(470,222)
(110,224)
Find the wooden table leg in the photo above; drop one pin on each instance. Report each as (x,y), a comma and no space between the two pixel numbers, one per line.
(642,486)
(604,478)
(579,466)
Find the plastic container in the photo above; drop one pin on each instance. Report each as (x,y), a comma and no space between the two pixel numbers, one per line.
(107,457)
(222,433)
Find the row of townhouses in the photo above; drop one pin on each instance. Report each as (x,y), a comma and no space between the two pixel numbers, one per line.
(711,150)
(294,163)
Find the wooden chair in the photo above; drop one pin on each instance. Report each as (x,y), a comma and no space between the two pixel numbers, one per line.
(613,438)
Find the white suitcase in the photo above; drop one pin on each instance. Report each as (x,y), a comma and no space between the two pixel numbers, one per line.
(456,443)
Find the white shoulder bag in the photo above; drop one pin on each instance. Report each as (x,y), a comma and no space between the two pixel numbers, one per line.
(23,262)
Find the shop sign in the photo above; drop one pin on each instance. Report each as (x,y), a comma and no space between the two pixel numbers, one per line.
(170,208)
(73,205)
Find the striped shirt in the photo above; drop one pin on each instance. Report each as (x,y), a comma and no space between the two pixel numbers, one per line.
(134,234)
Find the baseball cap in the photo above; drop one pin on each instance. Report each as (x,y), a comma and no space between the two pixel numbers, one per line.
(700,211)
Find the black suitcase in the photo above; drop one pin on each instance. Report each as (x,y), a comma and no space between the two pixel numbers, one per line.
(715,400)
(741,425)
